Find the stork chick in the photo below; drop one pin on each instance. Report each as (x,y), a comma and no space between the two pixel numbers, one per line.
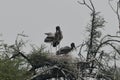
(66,49)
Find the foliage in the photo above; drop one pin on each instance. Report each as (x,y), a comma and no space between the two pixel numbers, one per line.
(40,64)
(11,70)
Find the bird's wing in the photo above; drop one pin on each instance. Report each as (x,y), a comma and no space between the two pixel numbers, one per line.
(49,39)
(63,50)
(50,34)
(66,47)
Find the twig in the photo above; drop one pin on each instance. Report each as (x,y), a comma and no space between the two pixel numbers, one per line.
(92,5)
(108,36)
(84,3)
(103,43)
(116,11)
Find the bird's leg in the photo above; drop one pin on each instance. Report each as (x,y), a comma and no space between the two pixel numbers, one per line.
(50,48)
(59,46)
(56,48)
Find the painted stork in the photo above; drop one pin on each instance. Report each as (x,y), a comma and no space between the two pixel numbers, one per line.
(58,37)
(66,49)
(54,38)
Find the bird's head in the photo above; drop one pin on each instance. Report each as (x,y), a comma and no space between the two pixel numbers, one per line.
(73,46)
(57,27)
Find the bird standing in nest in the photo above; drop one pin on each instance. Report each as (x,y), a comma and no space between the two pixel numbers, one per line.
(66,49)
(58,37)
(54,38)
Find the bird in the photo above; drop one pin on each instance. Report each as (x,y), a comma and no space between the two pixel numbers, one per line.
(58,37)
(66,49)
(54,38)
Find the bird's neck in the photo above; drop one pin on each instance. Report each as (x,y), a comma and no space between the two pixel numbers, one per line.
(58,30)
(71,48)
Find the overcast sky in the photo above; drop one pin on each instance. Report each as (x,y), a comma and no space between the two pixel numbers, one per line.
(35,17)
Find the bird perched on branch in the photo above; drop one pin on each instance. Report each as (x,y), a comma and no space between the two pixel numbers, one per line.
(54,38)
(66,49)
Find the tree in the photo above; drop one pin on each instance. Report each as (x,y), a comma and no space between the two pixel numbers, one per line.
(40,64)
(11,69)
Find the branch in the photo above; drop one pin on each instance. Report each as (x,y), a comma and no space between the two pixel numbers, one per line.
(81,46)
(84,3)
(116,11)
(92,5)
(44,75)
(43,72)
(104,43)
(108,36)
(111,6)
(114,48)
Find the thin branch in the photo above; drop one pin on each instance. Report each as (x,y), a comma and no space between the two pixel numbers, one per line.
(92,5)
(108,36)
(42,75)
(84,3)
(118,15)
(111,6)
(114,48)
(44,71)
(104,43)
(64,73)
(116,11)
(79,54)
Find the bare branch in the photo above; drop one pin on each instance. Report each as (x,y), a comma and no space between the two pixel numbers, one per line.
(92,5)
(43,71)
(79,54)
(111,6)
(84,3)
(114,48)
(108,36)
(116,11)
(44,75)
(104,43)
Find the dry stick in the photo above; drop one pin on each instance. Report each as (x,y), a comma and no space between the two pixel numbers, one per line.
(115,67)
(62,70)
(118,16)
(114,48)
(92,5)
(84,3)
(81,46)
(99,64)
(108,36)
(44,71)
(64,73)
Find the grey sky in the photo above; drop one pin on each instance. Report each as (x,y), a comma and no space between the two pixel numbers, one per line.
(35,17)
